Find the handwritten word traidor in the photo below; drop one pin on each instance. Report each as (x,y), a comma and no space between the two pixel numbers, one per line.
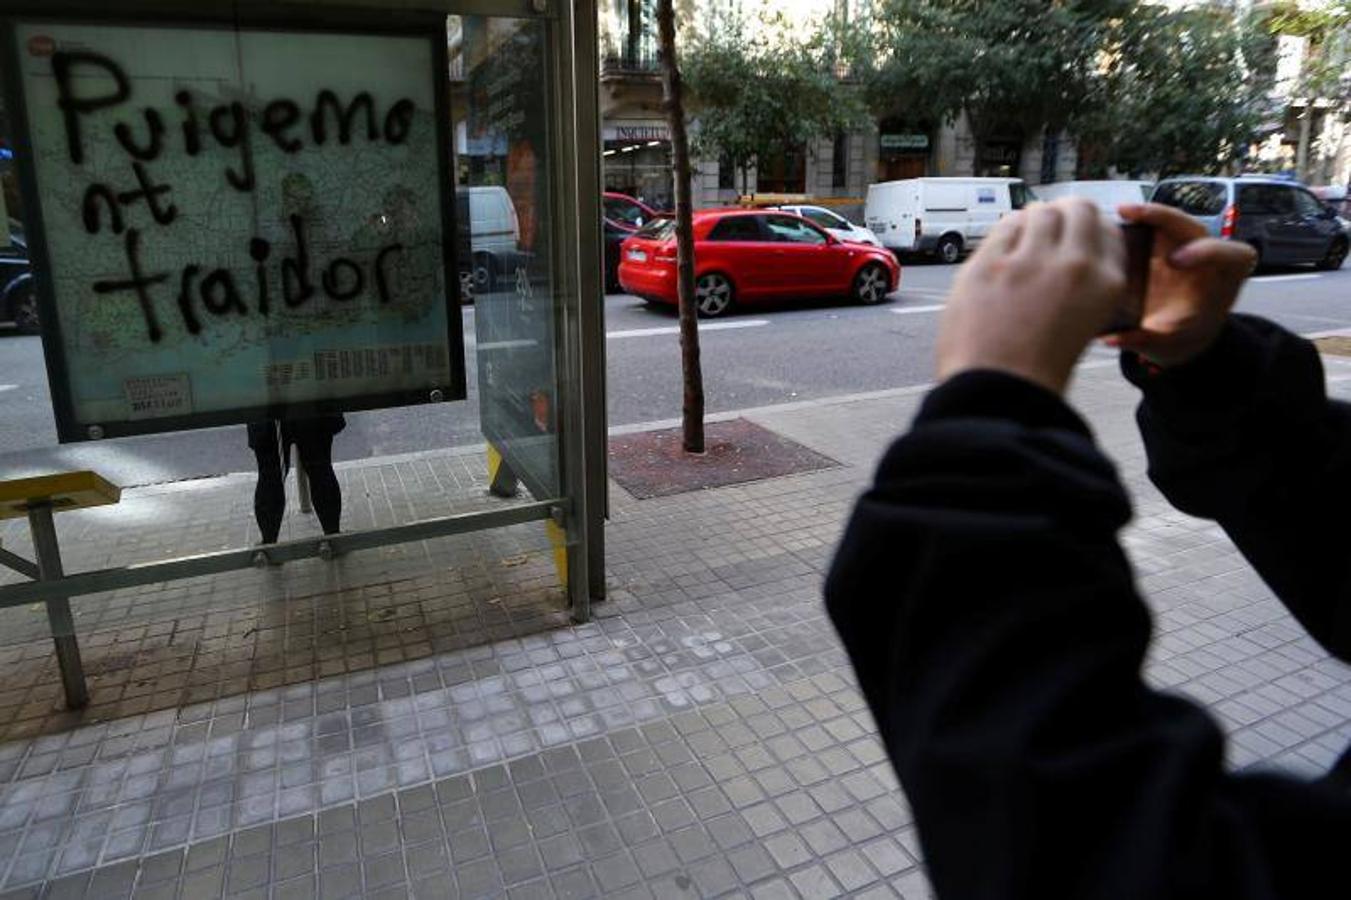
(230,126)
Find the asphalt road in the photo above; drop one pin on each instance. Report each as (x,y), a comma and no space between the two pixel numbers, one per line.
(759,358)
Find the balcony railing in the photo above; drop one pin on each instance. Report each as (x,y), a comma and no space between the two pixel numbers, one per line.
(629,61)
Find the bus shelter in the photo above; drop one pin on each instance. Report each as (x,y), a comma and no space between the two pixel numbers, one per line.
(250,212)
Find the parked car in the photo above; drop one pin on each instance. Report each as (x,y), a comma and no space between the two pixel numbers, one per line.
(494,235)
(1282,220)
(744,257)
(623,216)
(941,216)
(833,223)
(1107,195)
(18,298)
(625,210)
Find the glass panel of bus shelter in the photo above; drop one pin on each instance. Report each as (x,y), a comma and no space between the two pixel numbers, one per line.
(239,225)
(501,110)
(237,221)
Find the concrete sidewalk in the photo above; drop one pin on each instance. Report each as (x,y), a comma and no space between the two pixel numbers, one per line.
(423,721)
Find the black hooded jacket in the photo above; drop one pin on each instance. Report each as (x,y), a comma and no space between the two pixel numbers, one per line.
(997,634)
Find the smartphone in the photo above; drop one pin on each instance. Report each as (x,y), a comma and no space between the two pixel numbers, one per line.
(1139,250)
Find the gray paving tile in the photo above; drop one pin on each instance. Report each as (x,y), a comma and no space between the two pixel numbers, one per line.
(788,850)
(561,852)
(248,872)
(383,870)
(815,881)
(340,881)
(713,876)
(575,884)
(752,863)
(768,775)
(296,889)
(887,857)
(850,870)
(480,878)
(206,883)
(778,889)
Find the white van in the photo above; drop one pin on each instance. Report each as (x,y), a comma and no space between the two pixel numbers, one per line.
(1108,195)
(494,235)
(943,216)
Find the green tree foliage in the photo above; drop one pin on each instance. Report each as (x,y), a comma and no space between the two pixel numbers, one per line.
(1142,87)
(1014,65)
(1326,72)
(766,86)
(1177,91)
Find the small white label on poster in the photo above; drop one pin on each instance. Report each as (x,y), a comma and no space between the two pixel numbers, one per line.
(157,396)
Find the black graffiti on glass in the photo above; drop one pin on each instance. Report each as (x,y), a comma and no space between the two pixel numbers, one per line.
(229,124)
(218,294)
(113,201)
(88,83)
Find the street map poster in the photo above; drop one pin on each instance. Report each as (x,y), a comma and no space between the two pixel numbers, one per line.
(237,222)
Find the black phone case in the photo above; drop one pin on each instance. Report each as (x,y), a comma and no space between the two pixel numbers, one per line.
(1139,250)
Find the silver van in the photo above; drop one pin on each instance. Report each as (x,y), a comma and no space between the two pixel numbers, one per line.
(1282,220)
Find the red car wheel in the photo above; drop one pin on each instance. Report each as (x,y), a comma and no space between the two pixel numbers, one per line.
(714,295)
(871,284)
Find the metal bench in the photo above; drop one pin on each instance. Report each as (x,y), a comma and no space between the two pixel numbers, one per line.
(38,498)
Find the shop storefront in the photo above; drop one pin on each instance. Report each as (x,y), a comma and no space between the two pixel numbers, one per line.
(999,157)
(637,160)
(902,152)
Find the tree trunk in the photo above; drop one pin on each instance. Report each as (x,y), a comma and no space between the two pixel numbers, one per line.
(672,100)
(1302,149)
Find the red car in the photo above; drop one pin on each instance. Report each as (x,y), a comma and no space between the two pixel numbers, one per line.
(755,256)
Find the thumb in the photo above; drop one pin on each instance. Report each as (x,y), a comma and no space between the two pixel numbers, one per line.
(1229,257)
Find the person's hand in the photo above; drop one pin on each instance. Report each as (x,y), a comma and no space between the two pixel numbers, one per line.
(1193,282)
(1042,285)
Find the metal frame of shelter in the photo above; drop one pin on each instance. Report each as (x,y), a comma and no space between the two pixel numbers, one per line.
(575,175)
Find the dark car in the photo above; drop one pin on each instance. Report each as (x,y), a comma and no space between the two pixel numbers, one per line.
(1282,220)
(750,257)
(18,299)
(623,216)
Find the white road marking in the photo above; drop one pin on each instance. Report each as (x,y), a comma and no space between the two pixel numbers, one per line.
(1261,279)
(7,387)
(906,310)
(675,329)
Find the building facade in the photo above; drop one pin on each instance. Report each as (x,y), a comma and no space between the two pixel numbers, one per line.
(637,139)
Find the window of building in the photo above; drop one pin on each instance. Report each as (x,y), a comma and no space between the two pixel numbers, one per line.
(784,173)
(1000,158)
(631,36)
(640,169)
(839,164)
(726,174)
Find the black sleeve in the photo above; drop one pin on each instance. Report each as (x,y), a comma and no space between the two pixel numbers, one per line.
(991,618)
(1247,436)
